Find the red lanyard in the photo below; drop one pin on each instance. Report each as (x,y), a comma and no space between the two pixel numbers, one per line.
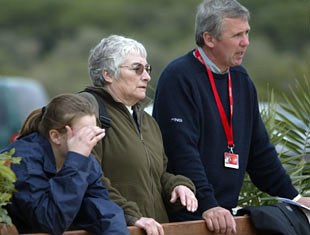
(227,126)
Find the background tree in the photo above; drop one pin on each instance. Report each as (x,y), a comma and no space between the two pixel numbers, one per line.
(50,40)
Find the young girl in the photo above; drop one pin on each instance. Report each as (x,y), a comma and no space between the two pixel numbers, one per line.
(58,180)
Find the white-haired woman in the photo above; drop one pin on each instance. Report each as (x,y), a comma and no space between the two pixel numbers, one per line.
(132,153)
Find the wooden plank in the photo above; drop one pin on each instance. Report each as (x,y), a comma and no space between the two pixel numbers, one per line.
(73,232)
(244,227)
(198,227)
(79,232)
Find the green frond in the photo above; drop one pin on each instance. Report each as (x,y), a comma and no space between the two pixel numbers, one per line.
(288,126)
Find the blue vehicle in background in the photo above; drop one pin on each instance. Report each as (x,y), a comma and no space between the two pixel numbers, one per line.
(18,97)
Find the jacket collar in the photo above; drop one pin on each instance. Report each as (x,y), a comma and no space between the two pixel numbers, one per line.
(49,163)
(138,107)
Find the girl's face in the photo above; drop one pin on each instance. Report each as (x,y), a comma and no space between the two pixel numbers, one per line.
(76,126)
(87,120)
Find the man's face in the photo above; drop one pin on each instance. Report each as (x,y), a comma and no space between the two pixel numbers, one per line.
(229,50)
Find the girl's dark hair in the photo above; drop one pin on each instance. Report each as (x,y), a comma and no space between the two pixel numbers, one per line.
(62,110)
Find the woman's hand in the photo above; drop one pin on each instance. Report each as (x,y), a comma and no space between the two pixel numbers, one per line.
(187,197)
(151,226)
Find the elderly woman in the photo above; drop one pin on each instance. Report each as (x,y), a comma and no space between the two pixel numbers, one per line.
(132,153)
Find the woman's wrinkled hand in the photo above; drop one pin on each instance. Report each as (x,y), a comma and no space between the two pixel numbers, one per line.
(187,197)
(151,226)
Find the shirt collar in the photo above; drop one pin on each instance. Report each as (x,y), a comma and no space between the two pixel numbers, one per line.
(209,63)
(130,109)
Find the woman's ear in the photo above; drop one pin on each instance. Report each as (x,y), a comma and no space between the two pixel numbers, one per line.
(55,136)
(107,76)
(208,39)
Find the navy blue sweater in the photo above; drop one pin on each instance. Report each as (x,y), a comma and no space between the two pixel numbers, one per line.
(194,137)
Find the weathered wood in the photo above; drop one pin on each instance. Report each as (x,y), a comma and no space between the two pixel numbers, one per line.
(244,227)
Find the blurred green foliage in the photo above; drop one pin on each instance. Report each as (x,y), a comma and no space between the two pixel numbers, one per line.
(50,40)
(7,180)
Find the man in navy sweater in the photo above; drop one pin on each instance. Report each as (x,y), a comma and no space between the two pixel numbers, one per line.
(207,108)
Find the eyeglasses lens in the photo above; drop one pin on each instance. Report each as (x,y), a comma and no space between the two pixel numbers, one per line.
(140,68)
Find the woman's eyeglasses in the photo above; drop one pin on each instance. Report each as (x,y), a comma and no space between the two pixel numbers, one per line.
(138,68)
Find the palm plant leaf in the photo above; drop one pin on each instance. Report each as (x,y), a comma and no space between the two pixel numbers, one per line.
(288,126)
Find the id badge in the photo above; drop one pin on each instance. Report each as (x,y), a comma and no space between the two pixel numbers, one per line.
(231,160)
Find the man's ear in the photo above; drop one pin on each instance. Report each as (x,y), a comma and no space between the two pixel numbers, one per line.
(208,39)
(55,136)
(107,76)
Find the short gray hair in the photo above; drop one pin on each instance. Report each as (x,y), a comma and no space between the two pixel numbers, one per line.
(211,14)
(108,54)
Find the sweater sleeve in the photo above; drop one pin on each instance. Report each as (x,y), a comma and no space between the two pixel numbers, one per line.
(177,113)
(130,208)
(265,168)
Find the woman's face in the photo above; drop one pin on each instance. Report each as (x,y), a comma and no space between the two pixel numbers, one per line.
(130,87)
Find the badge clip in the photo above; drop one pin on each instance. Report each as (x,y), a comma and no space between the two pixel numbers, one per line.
(231,148)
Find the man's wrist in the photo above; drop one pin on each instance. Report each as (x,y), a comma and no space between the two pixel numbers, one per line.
(295,199)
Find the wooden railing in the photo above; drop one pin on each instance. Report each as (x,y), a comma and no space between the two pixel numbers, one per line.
(198,227)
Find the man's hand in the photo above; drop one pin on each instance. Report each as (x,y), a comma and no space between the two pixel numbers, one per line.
(304,201)
(220,220)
